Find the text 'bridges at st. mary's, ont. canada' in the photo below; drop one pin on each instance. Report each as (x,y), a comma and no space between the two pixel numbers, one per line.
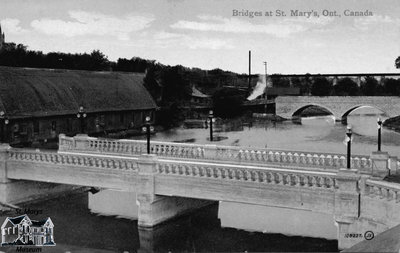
(340,106)
(179,177)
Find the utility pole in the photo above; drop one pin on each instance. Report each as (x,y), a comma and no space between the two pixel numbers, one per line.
(249,86)
(265,90)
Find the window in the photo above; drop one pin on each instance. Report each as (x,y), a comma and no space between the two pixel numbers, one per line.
(53,125)
(36,126)
(121,118)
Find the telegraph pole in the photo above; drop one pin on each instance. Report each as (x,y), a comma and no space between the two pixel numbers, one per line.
(265,90)
(249,86)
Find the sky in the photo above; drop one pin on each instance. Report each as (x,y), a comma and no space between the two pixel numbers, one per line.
(212,34)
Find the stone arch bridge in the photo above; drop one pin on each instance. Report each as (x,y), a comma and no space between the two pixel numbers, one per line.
(340,106)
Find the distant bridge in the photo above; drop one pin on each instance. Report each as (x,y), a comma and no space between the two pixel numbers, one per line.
(340,106)
(178,177)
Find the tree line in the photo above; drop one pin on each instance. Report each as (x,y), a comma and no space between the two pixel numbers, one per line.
(322,86)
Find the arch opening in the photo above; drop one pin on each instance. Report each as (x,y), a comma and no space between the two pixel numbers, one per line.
(366,110)
(312,110)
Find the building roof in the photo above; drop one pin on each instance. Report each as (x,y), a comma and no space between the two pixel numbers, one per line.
(197,93)
(17,220)
(27,92)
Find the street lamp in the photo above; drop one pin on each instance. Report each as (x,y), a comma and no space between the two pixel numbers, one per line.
(81,115)
(4,122)
(147,129)
(379,133)
(210,121)
(348,134)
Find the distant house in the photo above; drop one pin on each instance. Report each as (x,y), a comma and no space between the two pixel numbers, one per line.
(23,231)
(199,98)
(42,103)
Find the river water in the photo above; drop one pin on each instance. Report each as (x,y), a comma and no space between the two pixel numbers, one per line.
(224,227)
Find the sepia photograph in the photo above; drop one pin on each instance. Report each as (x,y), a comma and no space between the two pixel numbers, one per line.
(136,126)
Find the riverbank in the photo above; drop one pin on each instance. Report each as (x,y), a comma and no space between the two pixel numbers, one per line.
(393,123)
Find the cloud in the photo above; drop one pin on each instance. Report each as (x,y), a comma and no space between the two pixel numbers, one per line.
(364,23)
(168,39)
(11,26)
(278,28)
(90,23)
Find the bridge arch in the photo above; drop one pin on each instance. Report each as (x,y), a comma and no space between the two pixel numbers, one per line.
(296,113)
(346,113)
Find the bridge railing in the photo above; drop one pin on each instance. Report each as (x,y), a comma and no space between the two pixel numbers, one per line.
(244,173)
(213,152)
(33,156)
(384,190)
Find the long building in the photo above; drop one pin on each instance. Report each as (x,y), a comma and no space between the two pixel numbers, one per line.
(38,104)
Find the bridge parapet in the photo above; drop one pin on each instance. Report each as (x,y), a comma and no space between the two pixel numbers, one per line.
(314,160)
(31,156)
(250,174)
(383,190)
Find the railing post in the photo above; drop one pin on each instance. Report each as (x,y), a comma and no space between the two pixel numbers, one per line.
(4,181)
(393,166)
(3,162)
(145,190)
(81,142)
(347,205)
(210,152)
(380,164)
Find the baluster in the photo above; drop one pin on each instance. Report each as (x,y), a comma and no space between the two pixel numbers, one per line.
(305,181)
(290,158)
(283,157)
(303,159)
(278,178)
(277,157)
(296,180)
(256,176)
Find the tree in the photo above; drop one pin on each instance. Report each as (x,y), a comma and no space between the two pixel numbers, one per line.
(371,87)
(227,102)
(397,62)
(346,87)
(321,87)
(392,87)
(279,81)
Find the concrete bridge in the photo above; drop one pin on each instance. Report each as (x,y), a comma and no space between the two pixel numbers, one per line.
(181,177)
(340,106)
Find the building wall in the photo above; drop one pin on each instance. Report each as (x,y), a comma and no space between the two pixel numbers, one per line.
(39,129)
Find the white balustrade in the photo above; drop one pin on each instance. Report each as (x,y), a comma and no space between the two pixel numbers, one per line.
(213,152)
(383,190)
(234,173)
(70,159)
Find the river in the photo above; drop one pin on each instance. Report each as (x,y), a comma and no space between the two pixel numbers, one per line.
(228,226)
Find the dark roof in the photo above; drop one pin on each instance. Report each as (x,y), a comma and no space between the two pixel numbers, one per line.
(17,220)
(26,92)
(197,93)
(39,223)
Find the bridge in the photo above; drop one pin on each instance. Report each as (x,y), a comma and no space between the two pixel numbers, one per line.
(340,106)
(179,177)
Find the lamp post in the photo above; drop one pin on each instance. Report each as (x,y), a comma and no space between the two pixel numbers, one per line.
(348,133)
(81,115)
(379,133)
(147,129)
(210,121)
(4,122)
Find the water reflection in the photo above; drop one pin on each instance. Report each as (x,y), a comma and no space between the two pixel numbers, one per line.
(319,134)
(78,230)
